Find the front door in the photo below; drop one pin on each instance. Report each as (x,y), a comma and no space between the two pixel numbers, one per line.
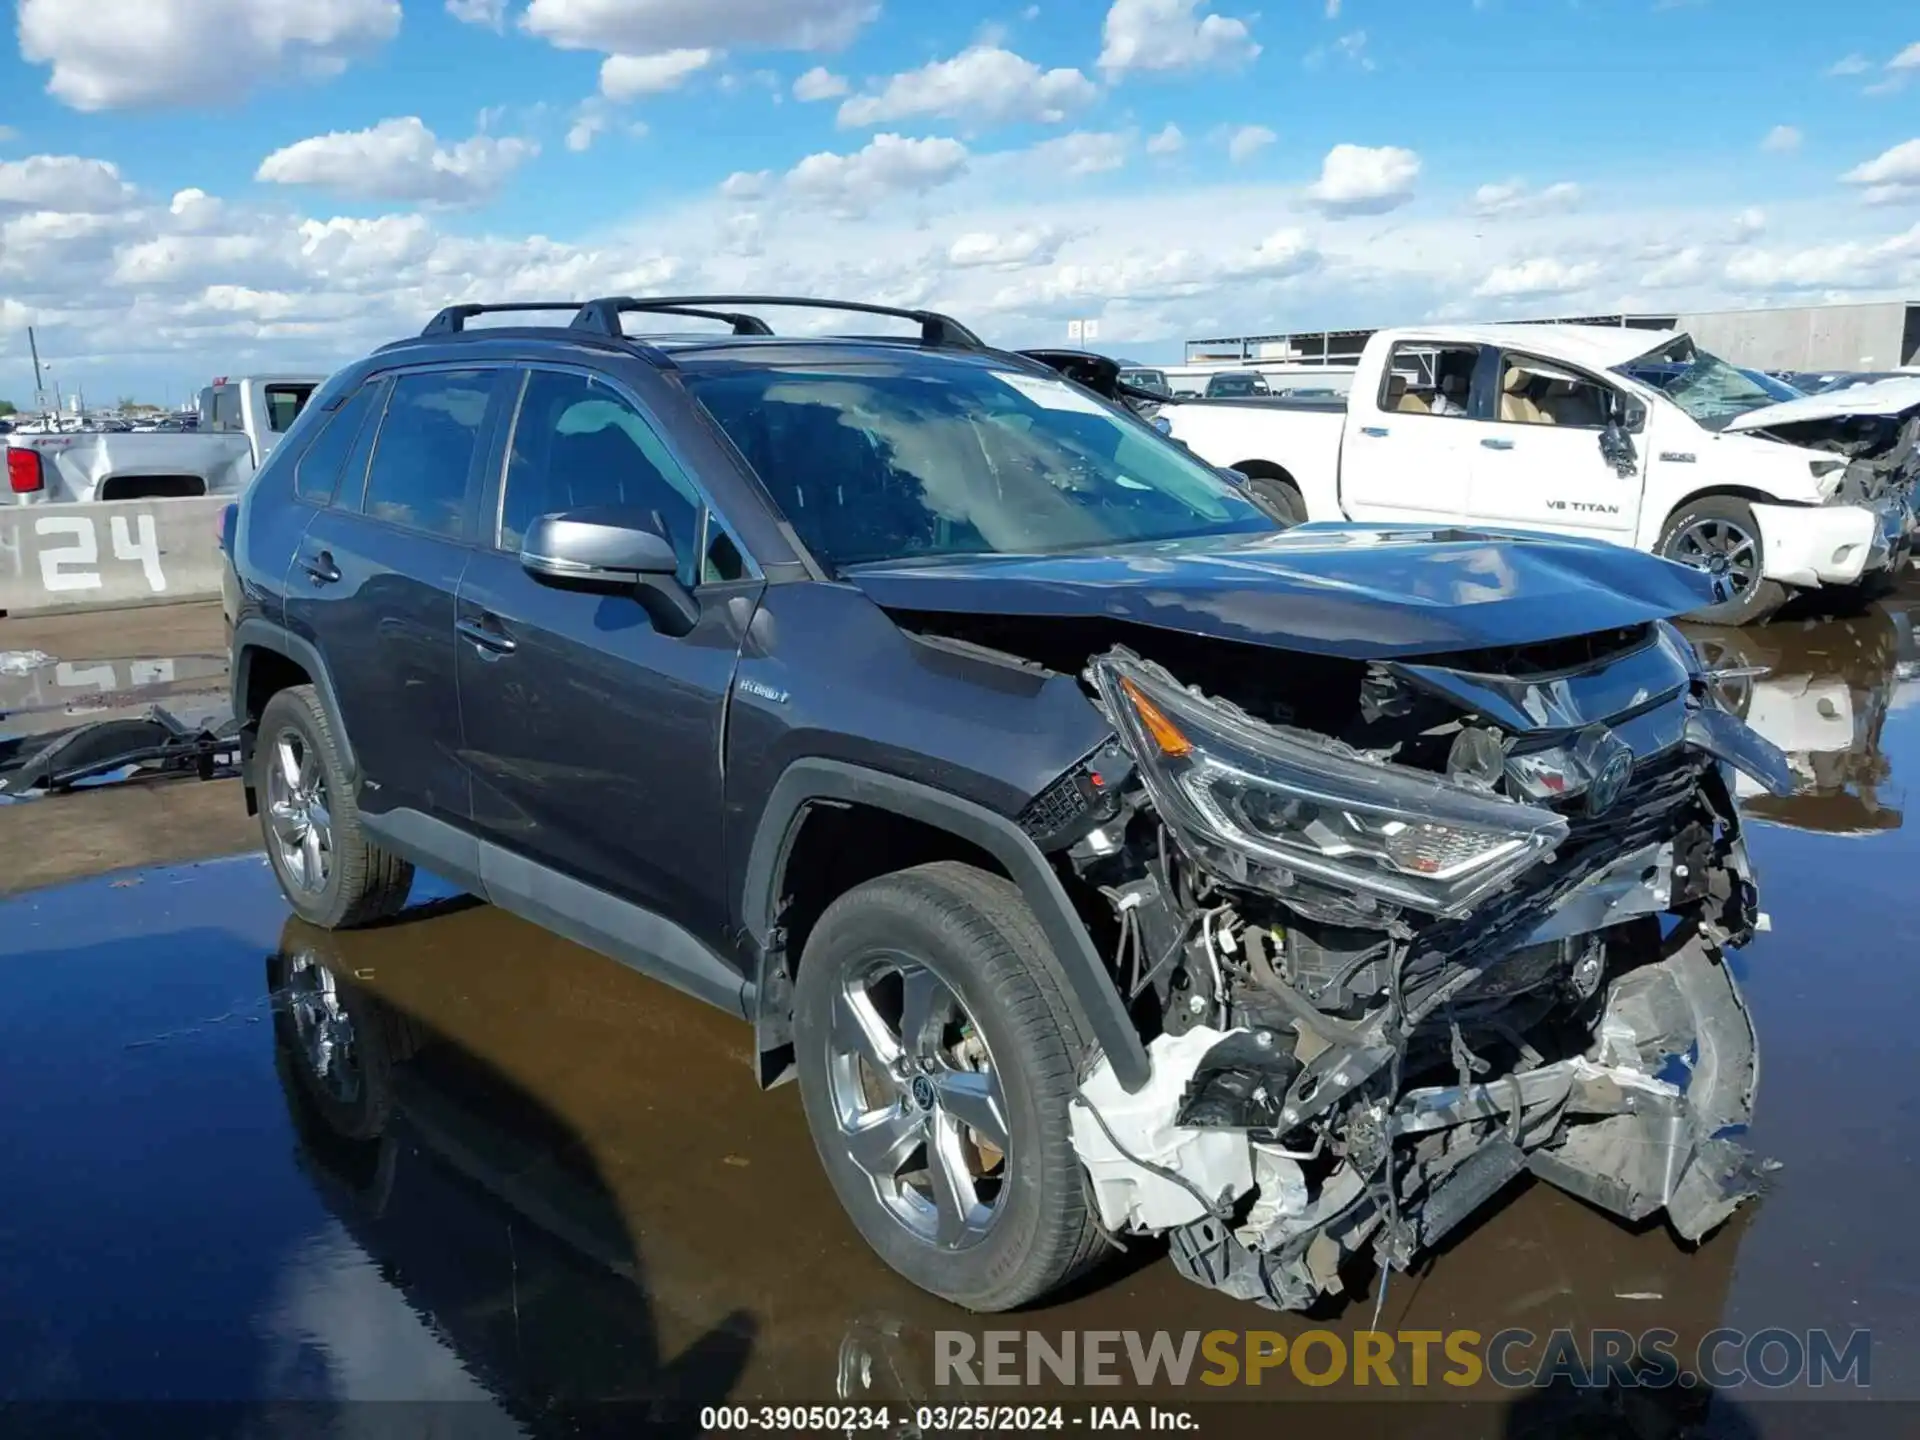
(375,578)
(593,740)
(1539,462)
(1406,454)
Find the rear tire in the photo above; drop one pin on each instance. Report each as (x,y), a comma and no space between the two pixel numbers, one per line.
(947,929)
(330,872)
(1720,530)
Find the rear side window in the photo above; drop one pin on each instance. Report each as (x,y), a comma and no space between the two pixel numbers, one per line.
(284,404)
(318,474)
(578,444)
(1424,378)
(418,478)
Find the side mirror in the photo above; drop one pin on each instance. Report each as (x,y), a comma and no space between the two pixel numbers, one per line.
(1616,446)
(613,551)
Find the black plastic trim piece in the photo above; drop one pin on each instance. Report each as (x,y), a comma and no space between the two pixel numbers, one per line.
(259,633)
(631,934)
(602,316)
(1093,996)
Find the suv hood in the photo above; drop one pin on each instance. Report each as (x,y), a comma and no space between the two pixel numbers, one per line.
(1358,591)
(1882,397)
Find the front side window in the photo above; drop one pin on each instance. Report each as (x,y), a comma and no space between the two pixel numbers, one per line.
(1705,386)
(1538,392)
(418,478)
(578,444)
(889,460)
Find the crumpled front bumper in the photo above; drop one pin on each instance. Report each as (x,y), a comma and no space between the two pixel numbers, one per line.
(1650,1113)
(1813,545)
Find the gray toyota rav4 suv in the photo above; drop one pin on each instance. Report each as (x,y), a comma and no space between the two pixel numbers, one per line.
(1099,855)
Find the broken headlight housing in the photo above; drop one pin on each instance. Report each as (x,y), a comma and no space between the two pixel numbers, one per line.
(1268,807)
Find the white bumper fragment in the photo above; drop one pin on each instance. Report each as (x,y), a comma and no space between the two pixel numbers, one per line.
(1217,1163)
(1820,545)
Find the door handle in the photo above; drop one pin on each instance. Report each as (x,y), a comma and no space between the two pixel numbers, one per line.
(1378,432)
(487,634)
(320,567)
(1496,444)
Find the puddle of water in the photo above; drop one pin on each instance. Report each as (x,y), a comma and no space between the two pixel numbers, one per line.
(456,1158)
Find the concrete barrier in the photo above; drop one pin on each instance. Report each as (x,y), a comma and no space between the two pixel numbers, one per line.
(108,554)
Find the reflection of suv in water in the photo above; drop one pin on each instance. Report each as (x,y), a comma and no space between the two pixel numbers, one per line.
(1098,856)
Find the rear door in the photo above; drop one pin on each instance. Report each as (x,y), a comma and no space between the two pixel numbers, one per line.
(594,740)
(1538,462)
(376,575)
(1407,450)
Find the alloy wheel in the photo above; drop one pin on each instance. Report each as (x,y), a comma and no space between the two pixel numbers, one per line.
(298,812)
(1720,547)
(917,1101)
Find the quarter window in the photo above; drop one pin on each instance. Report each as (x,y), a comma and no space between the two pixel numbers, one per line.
(418,478)
(318,474)
(578,444)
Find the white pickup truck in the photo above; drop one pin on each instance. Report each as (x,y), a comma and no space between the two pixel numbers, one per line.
(240,421)
(1627,435)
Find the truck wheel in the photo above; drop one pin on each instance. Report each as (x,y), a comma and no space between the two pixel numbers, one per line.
(1280,499)
(937,1058)
(1718,534)
(332,875)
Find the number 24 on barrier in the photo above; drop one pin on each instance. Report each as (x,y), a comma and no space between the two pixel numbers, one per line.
(71,566)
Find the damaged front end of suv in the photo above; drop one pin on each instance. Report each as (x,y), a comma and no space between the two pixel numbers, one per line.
(1389,962)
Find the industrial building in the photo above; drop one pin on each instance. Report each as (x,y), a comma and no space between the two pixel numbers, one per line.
(1879,336)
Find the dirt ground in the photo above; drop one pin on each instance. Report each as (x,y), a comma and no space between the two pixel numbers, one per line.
(137,822)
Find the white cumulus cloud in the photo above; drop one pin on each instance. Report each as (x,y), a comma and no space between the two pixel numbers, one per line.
(886,167)
(64,182)
(1364,180)
(627,77)
(1782,140)
(126,53)
(640,27)
(1246,141)
(1542,275)
(982,83)
(398,159)
(819,83)
(1009,251)
(490,13)
(1892,178)
(1083,152)
(1171,35)
(1168,141)
(1516,197)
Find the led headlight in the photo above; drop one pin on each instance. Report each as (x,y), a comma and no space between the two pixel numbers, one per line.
(1265,807)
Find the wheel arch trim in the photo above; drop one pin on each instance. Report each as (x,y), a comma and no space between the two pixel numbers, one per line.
(256,634)
(1091,992)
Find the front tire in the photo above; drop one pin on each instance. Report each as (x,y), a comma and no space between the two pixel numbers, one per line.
(330,872)
(1719,534)
(1281,500)
(937,1057)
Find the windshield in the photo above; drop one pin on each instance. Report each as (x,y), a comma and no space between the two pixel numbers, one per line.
(1229,386)
(1705,386)
(886,461)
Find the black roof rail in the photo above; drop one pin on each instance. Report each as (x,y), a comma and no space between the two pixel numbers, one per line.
(603,316)
(742,324)
(453,319)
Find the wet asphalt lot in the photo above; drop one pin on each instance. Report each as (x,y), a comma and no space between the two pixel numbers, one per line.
(558,1184)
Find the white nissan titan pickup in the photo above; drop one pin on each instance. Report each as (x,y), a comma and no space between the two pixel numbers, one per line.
(1633,436)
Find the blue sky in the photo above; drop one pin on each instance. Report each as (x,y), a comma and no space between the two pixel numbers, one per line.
(190,186)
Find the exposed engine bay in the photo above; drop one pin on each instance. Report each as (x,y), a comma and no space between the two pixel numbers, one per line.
(1398,931)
